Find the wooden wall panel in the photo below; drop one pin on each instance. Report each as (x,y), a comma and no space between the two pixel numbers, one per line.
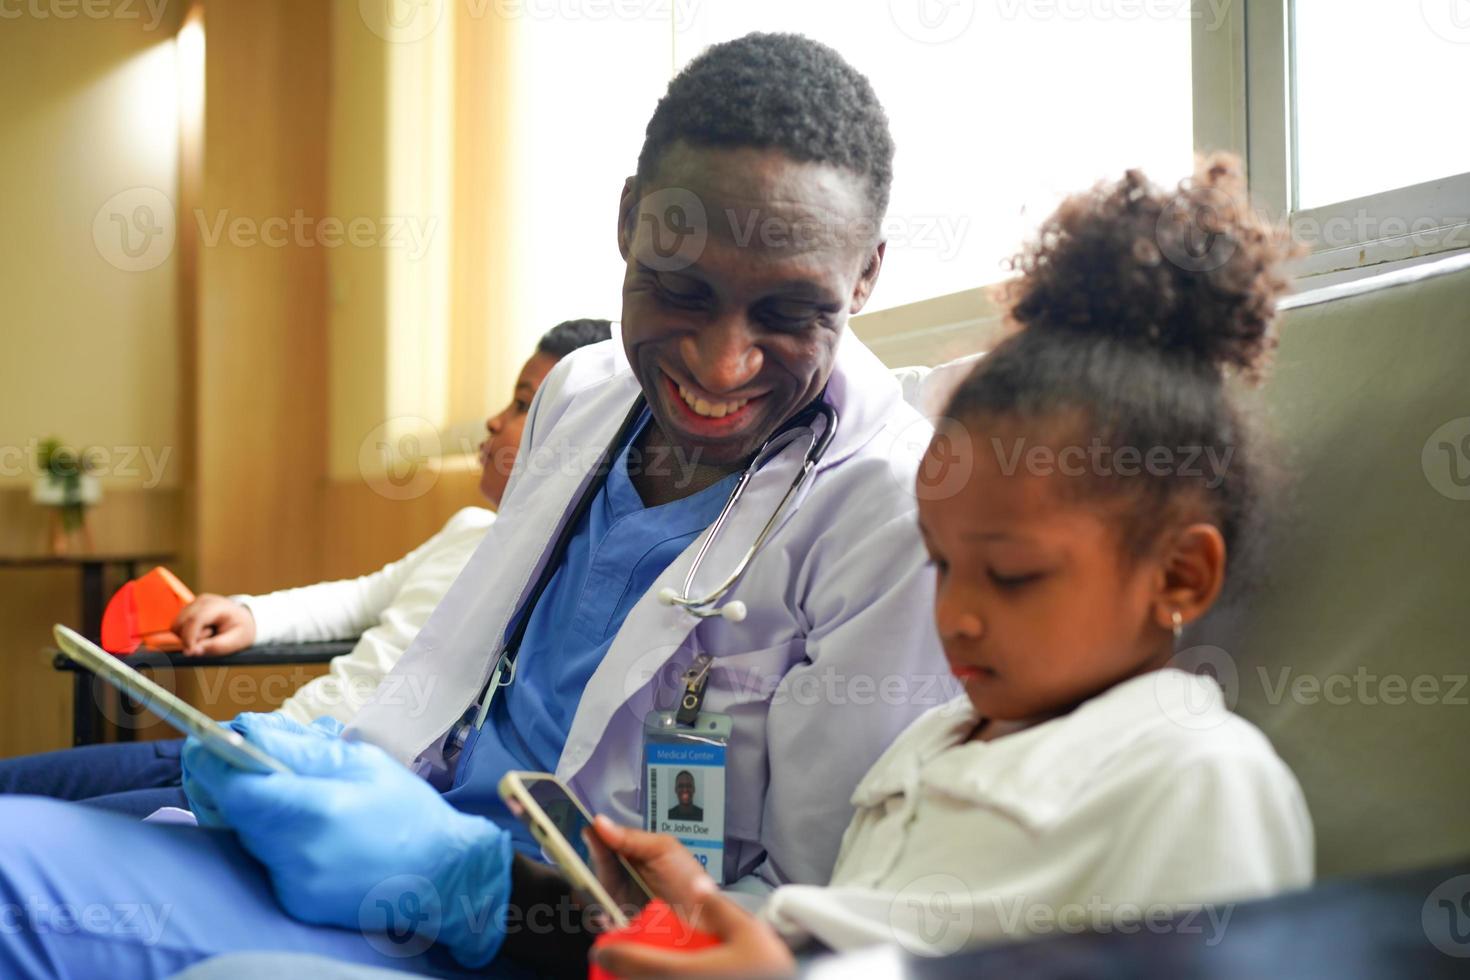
(262,368)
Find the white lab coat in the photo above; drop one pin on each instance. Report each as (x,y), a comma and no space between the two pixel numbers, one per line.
(837,655)
(383,611)
(1150,798)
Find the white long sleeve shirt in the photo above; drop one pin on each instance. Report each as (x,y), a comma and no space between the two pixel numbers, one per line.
(385,609)
(1148,799)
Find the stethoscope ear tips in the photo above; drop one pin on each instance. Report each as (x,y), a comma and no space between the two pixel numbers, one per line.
(733,611)
(668,596)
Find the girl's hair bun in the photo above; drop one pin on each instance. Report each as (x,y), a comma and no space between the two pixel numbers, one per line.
(1194,273)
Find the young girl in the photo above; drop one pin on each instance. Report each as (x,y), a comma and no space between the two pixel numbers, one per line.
(1080,503)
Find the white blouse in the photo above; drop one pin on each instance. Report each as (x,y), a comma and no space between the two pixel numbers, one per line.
(384,611)
(1149,799)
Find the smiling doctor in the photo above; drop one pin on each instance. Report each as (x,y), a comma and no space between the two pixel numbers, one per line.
(614,627)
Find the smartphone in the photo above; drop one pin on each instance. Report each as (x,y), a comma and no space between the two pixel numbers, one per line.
(220,740)
(557,820)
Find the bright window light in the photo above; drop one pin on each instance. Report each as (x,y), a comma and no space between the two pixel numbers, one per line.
(1380,90)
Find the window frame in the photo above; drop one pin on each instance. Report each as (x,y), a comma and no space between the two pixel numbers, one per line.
(1252,114)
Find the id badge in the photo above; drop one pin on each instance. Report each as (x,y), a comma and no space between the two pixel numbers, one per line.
(684,783)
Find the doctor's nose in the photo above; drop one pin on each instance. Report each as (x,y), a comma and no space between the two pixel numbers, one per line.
(722,355)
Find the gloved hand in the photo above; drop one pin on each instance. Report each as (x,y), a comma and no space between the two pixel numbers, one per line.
(200,801)
(351,832)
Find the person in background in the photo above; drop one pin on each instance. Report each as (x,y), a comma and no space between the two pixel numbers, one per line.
(383,610)
(1081,779)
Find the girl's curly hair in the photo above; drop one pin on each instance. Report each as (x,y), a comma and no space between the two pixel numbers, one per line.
(1194,273)
(1135,305)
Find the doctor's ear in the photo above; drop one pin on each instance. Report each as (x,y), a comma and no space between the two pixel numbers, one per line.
(868,278)
(627,215)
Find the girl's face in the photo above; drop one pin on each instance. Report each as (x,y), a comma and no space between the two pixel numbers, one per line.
(1036,606)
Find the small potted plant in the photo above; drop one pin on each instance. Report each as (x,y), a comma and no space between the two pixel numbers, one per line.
(64,483)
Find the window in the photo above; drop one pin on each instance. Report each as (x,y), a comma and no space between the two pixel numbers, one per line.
(1379,95)
(1348,110)
(998,111)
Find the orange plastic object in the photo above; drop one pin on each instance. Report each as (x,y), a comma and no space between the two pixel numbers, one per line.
(657,925)
(141,612)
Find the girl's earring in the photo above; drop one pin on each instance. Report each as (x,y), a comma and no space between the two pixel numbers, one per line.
(1178,626)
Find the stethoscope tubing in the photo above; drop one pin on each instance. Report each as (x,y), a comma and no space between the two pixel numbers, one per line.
(704,606)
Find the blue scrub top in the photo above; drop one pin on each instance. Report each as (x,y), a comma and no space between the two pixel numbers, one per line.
(618,550)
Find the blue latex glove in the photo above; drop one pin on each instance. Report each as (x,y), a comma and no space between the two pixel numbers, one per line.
(351,835)
(200,801)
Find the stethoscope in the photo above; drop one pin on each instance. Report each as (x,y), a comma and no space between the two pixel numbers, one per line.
(702,607)
(706,606)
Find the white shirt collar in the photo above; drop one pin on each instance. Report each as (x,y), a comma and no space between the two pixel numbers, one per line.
(1035,774)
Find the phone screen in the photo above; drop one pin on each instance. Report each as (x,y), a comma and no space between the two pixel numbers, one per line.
(569,817)
(564,813)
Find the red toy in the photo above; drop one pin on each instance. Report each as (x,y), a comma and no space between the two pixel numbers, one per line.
(141,612)
(657,925)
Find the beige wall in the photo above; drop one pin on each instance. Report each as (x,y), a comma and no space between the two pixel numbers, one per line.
(90,348)
(234,358)
(1366,581)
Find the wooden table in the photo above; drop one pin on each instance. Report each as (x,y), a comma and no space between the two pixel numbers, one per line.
(93,569)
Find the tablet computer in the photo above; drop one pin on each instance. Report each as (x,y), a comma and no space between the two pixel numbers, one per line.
(224,742)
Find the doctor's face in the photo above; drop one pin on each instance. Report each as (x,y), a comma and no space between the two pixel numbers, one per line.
(742,267)
(1036,604)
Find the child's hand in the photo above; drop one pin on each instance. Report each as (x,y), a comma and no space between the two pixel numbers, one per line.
(212,625)
(748,946)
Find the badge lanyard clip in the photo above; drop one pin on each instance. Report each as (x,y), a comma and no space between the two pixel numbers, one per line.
(694,681)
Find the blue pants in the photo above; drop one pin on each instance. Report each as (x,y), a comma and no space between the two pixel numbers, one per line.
(85,893)
(127,777)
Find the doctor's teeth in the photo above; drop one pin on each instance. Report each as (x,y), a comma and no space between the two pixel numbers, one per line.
(714,410)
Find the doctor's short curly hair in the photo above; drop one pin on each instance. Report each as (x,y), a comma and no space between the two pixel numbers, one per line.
(777,91)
